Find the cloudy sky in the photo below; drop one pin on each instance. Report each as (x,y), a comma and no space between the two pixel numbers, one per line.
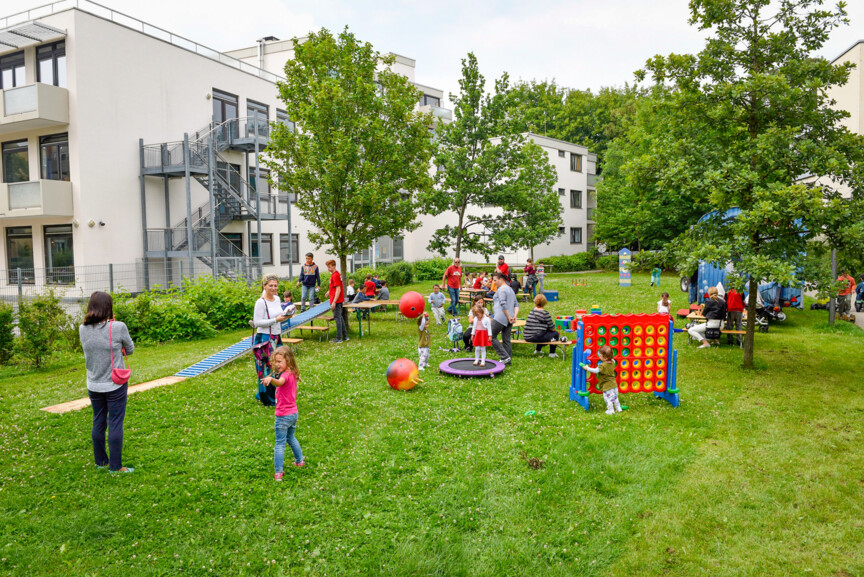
(580,44)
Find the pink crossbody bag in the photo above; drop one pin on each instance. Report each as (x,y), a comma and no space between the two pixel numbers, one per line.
(119,376)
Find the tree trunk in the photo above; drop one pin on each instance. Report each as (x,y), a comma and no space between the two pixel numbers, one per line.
(343,267)
(832,304)
(459,232)
(751,324)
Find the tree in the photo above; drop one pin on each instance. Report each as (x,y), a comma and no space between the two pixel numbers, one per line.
(484,161)
(361,151)
(762,91)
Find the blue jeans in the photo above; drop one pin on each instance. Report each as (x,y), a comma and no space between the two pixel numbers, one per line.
(109,410)
(285,427)
(307,293)
(454,300)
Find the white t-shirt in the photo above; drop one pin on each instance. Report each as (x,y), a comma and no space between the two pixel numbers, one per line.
(663,309)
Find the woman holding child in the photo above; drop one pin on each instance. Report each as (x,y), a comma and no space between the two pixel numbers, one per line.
(267,321)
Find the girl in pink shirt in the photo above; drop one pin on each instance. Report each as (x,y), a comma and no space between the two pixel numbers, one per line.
(284,377)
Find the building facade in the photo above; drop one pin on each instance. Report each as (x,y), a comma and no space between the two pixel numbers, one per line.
(126,145)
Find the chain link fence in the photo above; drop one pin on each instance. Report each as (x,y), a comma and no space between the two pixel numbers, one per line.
(76,283)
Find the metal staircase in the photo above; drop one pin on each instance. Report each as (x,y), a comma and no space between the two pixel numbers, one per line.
(199,157)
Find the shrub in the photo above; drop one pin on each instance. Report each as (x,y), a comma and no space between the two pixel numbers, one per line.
(7,338)
(608,262)
(38,322)
(157,318)
(226,304)
(570,262)
(432,268)
(399,274)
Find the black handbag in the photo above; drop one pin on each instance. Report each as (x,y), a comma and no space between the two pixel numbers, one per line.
(712,334)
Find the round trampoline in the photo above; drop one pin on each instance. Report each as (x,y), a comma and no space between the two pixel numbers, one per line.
(465,368)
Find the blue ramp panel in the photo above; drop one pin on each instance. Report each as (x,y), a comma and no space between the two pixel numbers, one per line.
(237,350)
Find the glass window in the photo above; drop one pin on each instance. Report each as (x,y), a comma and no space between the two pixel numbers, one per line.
(264,189)
(258,116)
(54,151)
(231,244)
(575,162)
(562,154)
(225,108)
(12,70)
(16,161)
(59,260)
(561,192)
(575,199)
(19,253)
(431,101)
(398,249)
(561,230)
(282,117)
(266,244)
(51,64)
(285,250)
(575,235)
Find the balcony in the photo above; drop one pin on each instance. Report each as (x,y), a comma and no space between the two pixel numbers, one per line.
(33,106)
(592,180)
(36,198)
(438,112)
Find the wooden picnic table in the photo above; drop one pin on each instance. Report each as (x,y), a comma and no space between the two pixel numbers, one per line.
(359,308)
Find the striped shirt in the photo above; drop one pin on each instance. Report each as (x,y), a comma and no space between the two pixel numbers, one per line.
(539,322)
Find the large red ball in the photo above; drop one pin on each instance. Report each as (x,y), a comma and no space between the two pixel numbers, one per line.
(402,374)
(412,304)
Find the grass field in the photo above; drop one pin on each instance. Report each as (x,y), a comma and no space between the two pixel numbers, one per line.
(756,473)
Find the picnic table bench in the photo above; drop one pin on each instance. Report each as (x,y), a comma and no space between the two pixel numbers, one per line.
(562,344)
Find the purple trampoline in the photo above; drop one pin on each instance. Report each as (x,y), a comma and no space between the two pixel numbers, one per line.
(465,368)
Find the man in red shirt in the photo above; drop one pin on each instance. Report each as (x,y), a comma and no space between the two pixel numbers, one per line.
(844,300)
(734,312)
(503,268)
(337,299)
(453,280)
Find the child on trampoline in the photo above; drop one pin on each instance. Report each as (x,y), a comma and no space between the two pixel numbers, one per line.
(481,327)
(284,377)
(425,341)
(606,383)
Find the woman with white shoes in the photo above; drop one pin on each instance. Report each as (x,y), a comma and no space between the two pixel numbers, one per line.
(714,311)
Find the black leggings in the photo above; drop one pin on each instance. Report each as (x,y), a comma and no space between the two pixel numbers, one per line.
(545,338)
(467,337)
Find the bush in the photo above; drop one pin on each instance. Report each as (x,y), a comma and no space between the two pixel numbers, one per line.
(399,274)
(571,262)
(226,304)
(432,268)
(157,318)
(38,321)
(7,338)
(608,262)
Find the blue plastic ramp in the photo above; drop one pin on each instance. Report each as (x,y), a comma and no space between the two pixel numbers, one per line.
(225,356)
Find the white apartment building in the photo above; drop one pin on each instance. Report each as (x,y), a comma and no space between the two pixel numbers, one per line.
(109,147)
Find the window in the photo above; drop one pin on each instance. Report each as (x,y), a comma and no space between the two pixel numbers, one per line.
(59,260)
(561,154)
(575,235)
(264,189)
(575,162)
(12,70)
(561,192)
(51,64)
(398,249)
(16,161)
(591,213)
(231,244)
(224,109)
(54,151)
(285,250)
(19,253)
(429,100)
(230,173)
(267,246)
(258,117)
(575,199)
(282,117)
(561,231)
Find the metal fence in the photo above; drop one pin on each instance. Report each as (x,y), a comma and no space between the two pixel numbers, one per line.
(79,282)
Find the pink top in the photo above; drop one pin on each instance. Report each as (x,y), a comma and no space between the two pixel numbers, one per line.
(286,396)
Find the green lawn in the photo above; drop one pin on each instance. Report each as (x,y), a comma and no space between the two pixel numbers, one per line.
(758,473)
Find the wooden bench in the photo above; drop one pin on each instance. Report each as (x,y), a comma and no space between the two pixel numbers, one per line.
(313,328)
(291,343)
(561,344)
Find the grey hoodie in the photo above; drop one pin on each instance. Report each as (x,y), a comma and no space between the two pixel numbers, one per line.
(97,355)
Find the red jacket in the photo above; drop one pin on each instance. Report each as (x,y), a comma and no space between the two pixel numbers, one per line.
(734,301)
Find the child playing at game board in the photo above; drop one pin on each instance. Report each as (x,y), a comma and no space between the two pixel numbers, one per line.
(284,378)
(664,305)
(288,306)
(606,383)
(481,327)
(425,341)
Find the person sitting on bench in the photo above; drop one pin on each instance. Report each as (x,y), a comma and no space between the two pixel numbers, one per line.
(540,328)
(714,311)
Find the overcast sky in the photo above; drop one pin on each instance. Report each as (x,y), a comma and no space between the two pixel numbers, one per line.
(580,44)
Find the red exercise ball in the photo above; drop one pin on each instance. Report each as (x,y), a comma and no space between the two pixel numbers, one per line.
(412,304)
(403,375)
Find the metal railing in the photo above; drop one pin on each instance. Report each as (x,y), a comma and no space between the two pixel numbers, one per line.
(139,26)
(79,282)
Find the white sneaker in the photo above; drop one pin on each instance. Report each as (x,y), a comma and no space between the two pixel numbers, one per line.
(536,352)
(610,412)
(553,356)
(705,346)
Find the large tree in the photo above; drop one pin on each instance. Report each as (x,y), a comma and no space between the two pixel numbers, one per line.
(762,91)
(361,151)
(485,161)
